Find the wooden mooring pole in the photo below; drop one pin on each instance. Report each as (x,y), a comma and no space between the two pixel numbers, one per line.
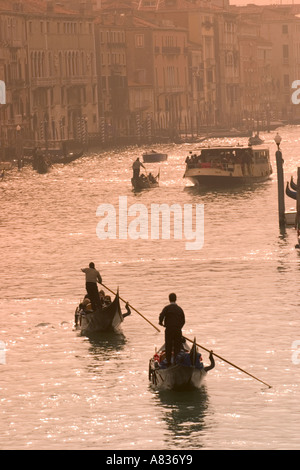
(280,182)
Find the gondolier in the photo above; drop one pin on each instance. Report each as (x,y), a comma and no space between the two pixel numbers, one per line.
(92,276)
(136,166)
(173,318)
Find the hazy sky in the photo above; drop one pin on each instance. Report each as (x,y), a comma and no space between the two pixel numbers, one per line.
(264,2)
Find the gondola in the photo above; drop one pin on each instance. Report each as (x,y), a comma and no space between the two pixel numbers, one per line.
(71,157)
(293,184)
(255,140)
(290,193)
(3,167)
(145,182)
(187,372)
(153,157)
(42,164)
(92,323)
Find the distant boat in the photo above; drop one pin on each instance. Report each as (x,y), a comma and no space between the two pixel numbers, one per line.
(3,167)
(70,157)
(255,140)
(228,165)
(41,163)
(152,157)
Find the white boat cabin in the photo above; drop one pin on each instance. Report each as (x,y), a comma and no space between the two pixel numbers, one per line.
(240,163)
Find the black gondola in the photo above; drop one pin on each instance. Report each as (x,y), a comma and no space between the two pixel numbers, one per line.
(145,182)
(290,193)
(186,371)
(71,157)
(293,184)
(90,323)
(41,163)
(153,157)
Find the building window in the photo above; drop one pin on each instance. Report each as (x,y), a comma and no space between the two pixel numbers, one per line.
(139,40)
(285,51)
(209,76)
(285,29)
(286,81)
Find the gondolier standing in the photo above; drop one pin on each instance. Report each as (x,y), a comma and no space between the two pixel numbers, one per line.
(136,166)
(172,317)
(92,276)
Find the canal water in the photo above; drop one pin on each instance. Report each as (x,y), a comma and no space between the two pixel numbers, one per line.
(239,292)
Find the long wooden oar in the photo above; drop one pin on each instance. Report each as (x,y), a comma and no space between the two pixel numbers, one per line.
(228,362)
(125,301)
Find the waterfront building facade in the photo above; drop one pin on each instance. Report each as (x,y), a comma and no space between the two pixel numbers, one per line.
(49,66)
(62,75)
(137,70)
(14,73)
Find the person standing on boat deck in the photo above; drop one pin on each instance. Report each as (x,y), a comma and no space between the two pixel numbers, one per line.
(136,166)
(172,317)
(92,276)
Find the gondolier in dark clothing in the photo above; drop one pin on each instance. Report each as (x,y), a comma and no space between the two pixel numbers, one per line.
(92,276)
(136,166)
(172,317)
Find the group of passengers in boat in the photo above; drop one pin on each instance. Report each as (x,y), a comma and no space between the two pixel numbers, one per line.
(223,159)
(85,307)
(136,167)
(147,179)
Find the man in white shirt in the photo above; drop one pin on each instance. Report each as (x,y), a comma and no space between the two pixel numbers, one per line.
(92,276)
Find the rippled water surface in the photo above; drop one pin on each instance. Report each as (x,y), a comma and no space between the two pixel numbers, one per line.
(239,292)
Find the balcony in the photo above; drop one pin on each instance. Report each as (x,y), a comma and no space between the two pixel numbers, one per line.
(171,50)
(116,45)
(170,89)
(79,80)
(43,82)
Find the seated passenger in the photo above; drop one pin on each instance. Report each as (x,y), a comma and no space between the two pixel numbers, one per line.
(101,295)
(107,301)
(86,305)
(151,178)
